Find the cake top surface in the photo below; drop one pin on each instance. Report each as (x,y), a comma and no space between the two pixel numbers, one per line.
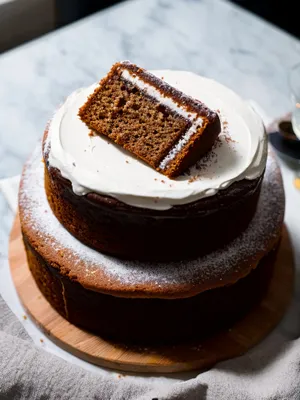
(94,164)
(145,279)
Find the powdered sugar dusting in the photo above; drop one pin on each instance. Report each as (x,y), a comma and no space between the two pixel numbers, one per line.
(261,231)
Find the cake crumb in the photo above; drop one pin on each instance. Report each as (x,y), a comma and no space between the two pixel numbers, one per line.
(225,127)
(24,317)
(42,340)
(127,162)
(204,162)
(74,164)
(193,178)
(92,133)
(228,139)
(162,181)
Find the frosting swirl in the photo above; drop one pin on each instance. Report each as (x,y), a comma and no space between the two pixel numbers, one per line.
(94,164)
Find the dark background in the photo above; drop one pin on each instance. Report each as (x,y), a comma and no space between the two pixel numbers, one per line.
(22,21)
(282,13)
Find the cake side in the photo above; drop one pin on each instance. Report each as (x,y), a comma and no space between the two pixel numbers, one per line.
(144,320)
(115,228)
(98,272)
(154,121)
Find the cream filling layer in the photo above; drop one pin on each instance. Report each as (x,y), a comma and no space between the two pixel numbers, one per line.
(196,122)
(94,164)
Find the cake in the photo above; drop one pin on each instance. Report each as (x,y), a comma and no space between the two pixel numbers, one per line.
(106,198)
(153,120)
(125,251)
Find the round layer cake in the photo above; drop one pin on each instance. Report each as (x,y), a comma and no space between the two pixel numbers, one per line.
(118,205)
(143,301)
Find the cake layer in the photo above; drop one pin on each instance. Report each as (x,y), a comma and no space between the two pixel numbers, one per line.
(99,166)
(99,273)
(147,321)
(151,119)
(134,233)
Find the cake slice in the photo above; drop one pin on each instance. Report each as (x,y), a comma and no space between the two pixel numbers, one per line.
(157,123)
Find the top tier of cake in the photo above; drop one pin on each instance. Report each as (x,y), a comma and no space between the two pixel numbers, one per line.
(94,164)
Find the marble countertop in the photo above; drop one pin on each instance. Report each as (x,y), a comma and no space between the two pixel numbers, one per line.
(211,37)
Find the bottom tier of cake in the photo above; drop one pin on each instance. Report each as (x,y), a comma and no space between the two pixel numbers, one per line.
(145,320)
(140,302)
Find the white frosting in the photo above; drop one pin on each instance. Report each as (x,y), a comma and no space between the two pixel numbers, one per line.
(94,164)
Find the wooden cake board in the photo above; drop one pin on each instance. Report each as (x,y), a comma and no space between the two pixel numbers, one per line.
(160,359)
